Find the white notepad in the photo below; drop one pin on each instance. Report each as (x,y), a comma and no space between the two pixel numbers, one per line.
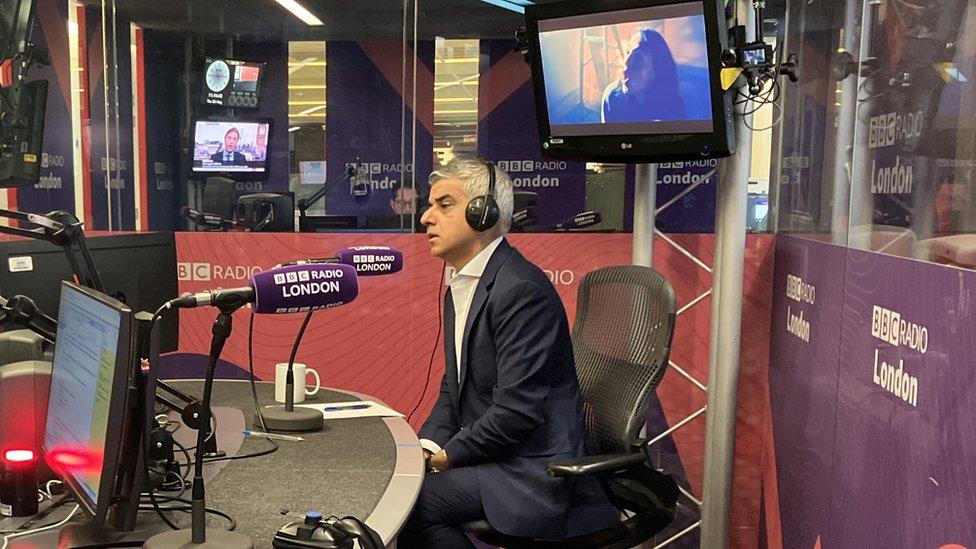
(358,408)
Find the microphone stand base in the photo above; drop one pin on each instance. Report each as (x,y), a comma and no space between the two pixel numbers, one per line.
(216,539)
(276,418)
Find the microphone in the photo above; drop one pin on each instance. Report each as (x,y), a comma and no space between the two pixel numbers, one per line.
(368,260)
(527,216)
(282,290)
(207,219)
(372,260)
(580,220)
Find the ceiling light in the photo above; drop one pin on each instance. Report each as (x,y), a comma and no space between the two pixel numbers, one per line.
(300,12)
(511,5)
(307,112)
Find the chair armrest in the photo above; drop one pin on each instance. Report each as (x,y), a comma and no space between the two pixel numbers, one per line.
(594,465)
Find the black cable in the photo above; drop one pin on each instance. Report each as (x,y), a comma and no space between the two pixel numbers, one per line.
(273,449)
(150,382)
(188,507)
(186,453)
(250,367)
(43,513)
(433,350)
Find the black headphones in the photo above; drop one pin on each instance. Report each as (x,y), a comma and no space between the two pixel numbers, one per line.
(482,212)
(314,532)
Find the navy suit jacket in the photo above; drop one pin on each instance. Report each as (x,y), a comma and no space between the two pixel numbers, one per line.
(518,405)
(238,158)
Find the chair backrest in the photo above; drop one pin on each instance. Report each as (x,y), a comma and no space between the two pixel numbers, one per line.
(621,341)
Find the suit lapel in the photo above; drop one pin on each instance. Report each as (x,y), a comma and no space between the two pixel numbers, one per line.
(449,353)
(478,302)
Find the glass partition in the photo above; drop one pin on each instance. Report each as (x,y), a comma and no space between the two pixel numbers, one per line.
(877,147)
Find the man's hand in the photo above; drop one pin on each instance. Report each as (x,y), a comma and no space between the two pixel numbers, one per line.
(427,454)
(440,462)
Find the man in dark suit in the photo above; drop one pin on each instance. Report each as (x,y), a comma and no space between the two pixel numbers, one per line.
(228,156)
(509,401)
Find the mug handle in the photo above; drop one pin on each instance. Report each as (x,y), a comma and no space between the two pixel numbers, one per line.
(318,381)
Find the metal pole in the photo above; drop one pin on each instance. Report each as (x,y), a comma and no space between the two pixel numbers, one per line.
(723,372)
(860,201)
(645,197)
(844,146)
(108,109)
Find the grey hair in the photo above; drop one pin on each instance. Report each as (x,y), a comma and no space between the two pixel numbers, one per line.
(474,177)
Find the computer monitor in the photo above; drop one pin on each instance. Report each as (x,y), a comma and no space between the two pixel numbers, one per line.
(267,212)
(137,269)
(630,80)
(22,110)
(86,411)
(236,148)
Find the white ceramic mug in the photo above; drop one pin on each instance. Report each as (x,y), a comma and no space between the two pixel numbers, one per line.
(300,371)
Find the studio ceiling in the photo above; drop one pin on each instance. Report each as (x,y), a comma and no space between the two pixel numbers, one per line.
(344,19)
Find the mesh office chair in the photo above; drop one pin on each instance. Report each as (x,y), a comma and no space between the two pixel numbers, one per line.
(621,341)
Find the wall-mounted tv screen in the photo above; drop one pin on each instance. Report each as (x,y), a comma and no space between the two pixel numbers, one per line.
(230,83)
(630,81)
(231,146)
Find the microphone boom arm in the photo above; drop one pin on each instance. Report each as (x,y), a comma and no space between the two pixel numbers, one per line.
(305,203)
(61,229)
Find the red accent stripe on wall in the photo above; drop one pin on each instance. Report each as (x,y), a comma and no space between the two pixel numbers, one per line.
(83,95)
(389,62)
(501,81)
(12,204)
(140,84)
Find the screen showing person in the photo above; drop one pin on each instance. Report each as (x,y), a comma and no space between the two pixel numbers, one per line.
(238,146)
(634,71)
(753,56)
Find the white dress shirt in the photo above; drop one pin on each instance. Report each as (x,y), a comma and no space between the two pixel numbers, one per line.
(463,283)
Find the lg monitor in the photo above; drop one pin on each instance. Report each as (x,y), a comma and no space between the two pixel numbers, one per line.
(235,148)
(232,83)
(87,404)
(630,80)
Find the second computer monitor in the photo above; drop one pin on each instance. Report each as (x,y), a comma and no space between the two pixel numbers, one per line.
(86,411)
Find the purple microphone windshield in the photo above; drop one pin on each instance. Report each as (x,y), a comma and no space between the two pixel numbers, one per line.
(372,260)
(302,288)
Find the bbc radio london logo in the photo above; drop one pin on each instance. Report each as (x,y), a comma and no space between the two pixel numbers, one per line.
(291,277)
(205,272)
(891,327)
(194,271)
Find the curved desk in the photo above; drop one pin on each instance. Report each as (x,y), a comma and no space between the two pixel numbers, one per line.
(367,467)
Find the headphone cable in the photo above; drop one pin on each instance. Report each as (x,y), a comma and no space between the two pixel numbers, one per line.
(433,350)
